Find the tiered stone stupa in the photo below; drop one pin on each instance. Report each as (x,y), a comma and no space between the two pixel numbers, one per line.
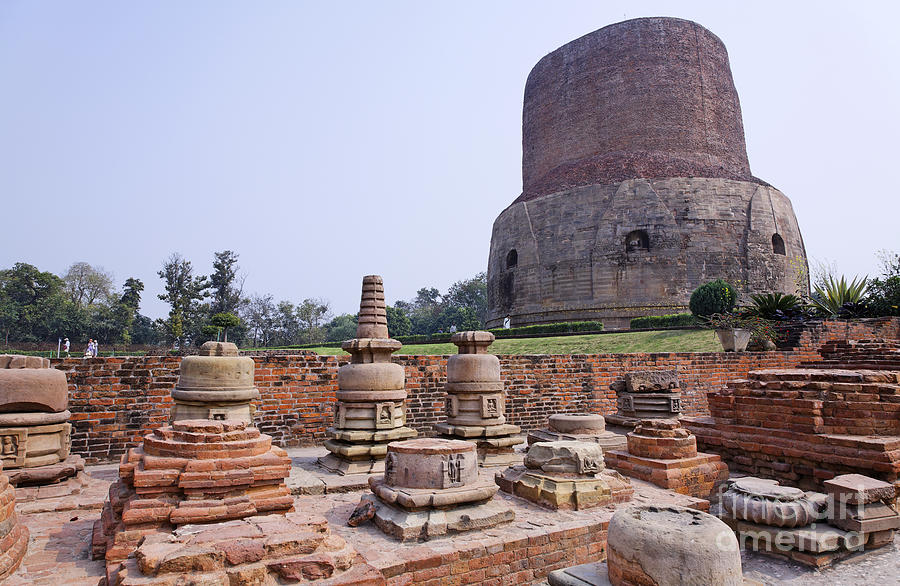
(476,401)
(578,427)
(35,433)
(370,410)
(217,384)
(664,453)
(646,395)
(565,475)
(431,487)
(194,471)
(13,534)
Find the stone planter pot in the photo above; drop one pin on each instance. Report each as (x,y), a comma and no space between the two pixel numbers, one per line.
(734,339)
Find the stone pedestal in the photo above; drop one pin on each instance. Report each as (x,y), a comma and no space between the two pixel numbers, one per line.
(370,410)
(431,487)
(272,549)
(662,452)
(476,401)
(565,475)
(863,505)
(13,535)
(578,427)
(194,471)
(217,384)
(35,433)
(652,394)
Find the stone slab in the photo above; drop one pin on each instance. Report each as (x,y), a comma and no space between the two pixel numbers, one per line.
(407,525)
(856,489)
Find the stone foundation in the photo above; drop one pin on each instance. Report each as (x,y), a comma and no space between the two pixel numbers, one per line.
(661,452)
(578,427)
(258,550)
(13,534)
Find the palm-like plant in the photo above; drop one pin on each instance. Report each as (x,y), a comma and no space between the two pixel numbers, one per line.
(774,305)
(839,297)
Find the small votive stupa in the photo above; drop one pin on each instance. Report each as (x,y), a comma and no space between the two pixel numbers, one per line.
(431,487)
(35,433)
(476,401)
(13,534)
(217,384)
(194,471)
(370,410)
(565,475)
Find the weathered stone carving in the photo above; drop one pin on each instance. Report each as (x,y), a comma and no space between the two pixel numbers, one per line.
(565,475)
(371,409)
(272,549)
(476,401)
(217,384)
(671,545)
(35,433)
(662,452)
(646,394)
(432,489)
(619,220)
(767,503)
(194,471)
(581,427)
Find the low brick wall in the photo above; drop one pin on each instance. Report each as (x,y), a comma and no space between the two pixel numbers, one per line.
(115,401)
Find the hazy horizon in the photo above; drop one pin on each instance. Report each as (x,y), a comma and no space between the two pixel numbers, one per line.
(325,142)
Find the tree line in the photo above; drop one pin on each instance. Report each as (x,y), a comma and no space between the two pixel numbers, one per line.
(40,307)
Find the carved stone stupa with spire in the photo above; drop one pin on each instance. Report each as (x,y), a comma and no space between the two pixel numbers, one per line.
(370,410)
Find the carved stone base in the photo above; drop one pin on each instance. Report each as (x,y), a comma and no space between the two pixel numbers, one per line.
(218,411)
(698,476)
(607,439)
(52,474)
(361,452)
(495,443)
(406,525)
(29,445)
(561,492)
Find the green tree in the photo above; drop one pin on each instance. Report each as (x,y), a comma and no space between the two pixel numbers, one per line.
(343,327)
(227,289)
(224,320)
(128,306)
(184,293)
(311,314)
(34,306)
(87,285)
(260,315)
(398,323)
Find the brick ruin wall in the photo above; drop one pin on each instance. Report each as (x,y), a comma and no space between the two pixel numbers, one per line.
(115,401)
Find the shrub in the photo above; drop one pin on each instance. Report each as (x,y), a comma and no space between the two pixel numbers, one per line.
(665,321)
(838,298)
(775,306)
(557,328)
(714,297)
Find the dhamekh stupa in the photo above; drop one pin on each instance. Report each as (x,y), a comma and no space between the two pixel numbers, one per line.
(636,188)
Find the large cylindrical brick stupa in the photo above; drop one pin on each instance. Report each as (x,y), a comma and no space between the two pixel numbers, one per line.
(636,187)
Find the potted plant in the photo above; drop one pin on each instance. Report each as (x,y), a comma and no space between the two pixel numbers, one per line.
(731,330)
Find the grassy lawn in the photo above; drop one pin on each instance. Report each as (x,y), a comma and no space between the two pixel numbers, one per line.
(661,341)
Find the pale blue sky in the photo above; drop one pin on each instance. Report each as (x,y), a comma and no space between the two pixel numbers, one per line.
(326,141)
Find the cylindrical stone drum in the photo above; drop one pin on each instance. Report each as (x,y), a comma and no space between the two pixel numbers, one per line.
(431,463)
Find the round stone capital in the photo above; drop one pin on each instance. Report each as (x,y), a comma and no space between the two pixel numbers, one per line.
(577,423)
(764,501)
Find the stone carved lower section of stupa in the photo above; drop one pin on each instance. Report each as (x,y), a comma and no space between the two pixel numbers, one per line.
(430,488)
(649,394)
(578,427)
(476,401)
(217,384)
(13,534)
(565,475)
(35,433)
(371,397)
(194,471)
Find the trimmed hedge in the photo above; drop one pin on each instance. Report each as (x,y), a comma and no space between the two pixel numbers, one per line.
(556,328)
(673,320)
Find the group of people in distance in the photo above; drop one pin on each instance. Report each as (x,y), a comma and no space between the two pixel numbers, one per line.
(90,352)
